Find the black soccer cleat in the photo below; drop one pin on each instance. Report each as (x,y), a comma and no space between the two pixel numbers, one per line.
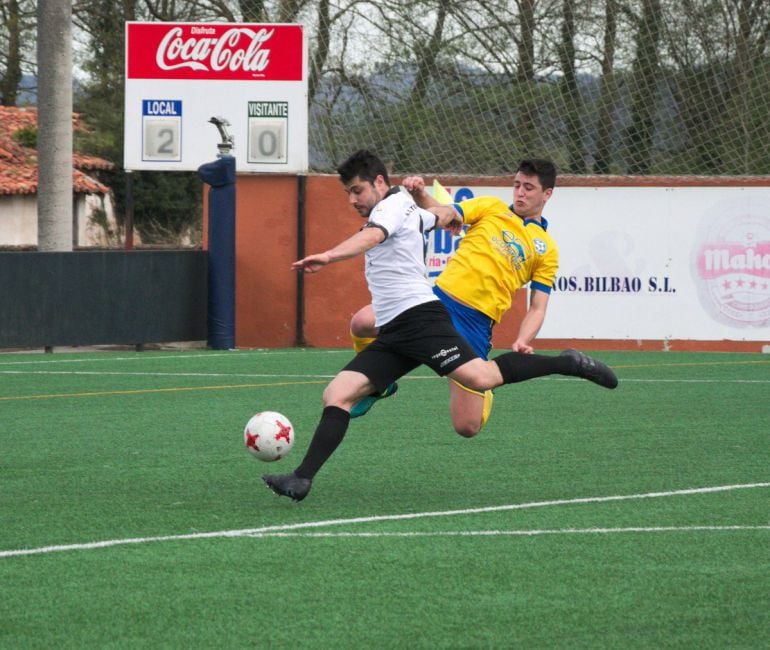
(288,485)
(592,369)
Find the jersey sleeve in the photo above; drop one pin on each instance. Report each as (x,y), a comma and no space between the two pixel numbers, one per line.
(474,209)
(393,212)
(428,220)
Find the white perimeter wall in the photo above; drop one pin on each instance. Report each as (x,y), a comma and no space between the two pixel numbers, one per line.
(654,262)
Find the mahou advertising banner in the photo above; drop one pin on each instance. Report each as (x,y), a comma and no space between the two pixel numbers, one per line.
(650,263)
(657,263)
(180,75)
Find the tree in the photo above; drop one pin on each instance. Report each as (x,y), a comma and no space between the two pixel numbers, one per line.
(640,134)
(719,81)
(645,86)
(607,92)
(17,24)
(570,92)
(751,20)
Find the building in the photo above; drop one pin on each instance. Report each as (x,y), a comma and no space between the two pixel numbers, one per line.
(93,208)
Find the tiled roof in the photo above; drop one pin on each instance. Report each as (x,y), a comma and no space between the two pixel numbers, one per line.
(18,164)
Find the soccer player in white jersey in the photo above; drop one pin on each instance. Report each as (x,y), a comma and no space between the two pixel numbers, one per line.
(414,327)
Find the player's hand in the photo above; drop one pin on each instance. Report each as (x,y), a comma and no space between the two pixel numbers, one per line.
(447,218)
(455,226)
(311,263)
(414,184)
(524,348)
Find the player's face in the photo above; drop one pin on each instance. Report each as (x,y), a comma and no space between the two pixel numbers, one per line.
(529,197)
(364,195)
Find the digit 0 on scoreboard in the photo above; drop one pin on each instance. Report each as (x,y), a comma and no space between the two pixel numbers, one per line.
(162,130)
(268,132)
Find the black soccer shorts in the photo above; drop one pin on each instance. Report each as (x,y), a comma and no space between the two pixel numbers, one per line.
(421,335)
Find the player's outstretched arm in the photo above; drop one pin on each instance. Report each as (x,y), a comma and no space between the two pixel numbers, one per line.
(448,218)
(415,185)
(531,323)
(359,243)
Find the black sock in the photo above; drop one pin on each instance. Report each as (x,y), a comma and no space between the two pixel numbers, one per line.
(516,366)
(327,437)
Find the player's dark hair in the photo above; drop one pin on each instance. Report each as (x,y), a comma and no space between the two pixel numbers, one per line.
(364,164)
(545,171)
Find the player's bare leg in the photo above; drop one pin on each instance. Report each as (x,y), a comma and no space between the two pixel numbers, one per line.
(347,388)
(469,409)
(362,325)
(362,333)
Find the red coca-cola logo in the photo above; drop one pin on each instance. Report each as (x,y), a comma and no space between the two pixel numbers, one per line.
(214,51)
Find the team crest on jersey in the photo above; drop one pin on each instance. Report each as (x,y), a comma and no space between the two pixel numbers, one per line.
(511,247)
(540,246)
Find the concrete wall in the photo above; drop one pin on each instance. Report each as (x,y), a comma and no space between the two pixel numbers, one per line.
(18,220)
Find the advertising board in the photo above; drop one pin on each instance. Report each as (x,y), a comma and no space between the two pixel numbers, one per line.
(250,77)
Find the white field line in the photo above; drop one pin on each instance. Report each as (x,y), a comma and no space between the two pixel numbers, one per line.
(167,355)
(659,380)
(225,375)
(518,533)
(284,528)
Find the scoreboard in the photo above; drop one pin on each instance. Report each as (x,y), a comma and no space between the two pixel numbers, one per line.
(180,75)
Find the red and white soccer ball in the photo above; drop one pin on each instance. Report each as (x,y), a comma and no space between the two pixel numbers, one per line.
(269,436)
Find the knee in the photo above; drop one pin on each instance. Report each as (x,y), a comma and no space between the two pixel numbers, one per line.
(466,424)
(362,323)
(332,396)
(487,377)
(478,383)
(468,429)
(328,397)
(478,375)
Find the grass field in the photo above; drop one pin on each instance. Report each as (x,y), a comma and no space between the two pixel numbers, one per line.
(132,517)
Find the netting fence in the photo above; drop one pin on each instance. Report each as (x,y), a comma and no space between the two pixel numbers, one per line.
(602,86)
(471,86)
(605,87)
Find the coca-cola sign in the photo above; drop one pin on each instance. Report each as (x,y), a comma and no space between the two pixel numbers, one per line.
(233,51)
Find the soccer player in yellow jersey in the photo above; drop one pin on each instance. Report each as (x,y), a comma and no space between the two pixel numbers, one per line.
(504,248)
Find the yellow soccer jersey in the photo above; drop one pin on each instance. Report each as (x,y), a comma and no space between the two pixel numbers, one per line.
(500,253)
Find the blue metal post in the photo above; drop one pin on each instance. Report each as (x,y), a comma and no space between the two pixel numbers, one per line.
(220,175)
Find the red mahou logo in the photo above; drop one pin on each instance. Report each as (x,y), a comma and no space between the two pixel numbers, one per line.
(214,51)
(732,269)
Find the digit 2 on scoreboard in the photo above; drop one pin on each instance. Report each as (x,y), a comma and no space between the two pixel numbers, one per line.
(162,130)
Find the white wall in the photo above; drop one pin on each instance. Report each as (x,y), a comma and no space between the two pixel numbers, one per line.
(654,262)
(18,220)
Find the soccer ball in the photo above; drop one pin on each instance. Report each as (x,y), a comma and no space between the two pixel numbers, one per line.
(269,436)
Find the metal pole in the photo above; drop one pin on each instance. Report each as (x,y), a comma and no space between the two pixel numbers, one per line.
(299,327)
